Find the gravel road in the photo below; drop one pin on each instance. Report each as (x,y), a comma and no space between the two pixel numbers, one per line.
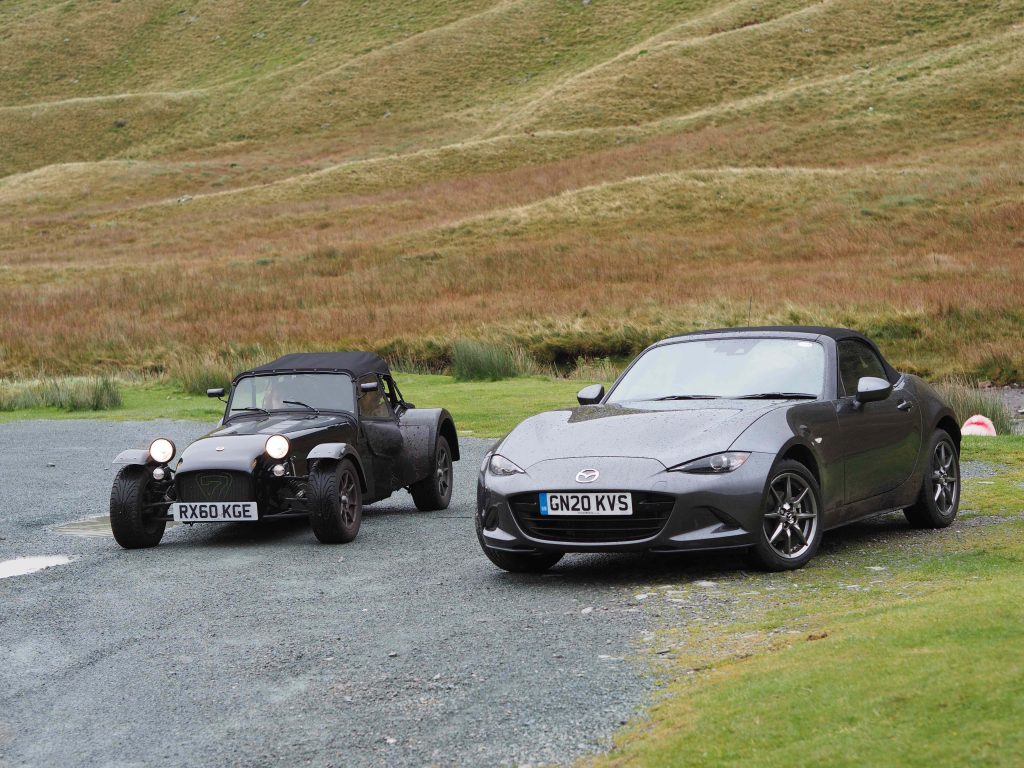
(255,645)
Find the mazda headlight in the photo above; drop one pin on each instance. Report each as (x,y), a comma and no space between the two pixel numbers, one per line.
(502,467)
(715,464)
(277,446)
(161,450)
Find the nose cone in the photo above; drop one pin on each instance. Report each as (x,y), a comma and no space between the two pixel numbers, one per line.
(235,452)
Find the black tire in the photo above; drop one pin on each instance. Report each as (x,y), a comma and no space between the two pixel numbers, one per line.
(434,492)
(939,498)
(335,501)
(517,562)
(133,526)
(792,508)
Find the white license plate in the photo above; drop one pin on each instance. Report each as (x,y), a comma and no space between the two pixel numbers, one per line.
(214,511)
(586,504)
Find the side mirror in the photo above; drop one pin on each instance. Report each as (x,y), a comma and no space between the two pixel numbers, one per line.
(591,395)
(871,389)
(369,386)
(218,392)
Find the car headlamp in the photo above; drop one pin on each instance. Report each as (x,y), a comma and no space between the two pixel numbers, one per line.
(161,450)
(277,446)
(715,464)
(502,467)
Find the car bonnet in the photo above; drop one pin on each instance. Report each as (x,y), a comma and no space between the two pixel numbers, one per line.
(668,433)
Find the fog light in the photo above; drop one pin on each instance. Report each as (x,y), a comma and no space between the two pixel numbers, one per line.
(159,474)
(278,470)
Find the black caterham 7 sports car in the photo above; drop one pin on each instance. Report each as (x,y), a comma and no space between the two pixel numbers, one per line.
(315,434)
(754,438)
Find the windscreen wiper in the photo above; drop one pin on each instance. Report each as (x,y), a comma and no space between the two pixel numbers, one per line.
(259,410)
(688,397)
(778,396)
(304,405)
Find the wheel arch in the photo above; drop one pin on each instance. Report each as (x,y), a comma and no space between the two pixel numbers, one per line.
(804,455)
(439,422)
(360,472)
(447,430)
(340,452)
(947,423)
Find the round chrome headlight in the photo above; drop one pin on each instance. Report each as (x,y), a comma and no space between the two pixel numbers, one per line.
(277,446)
(161,450)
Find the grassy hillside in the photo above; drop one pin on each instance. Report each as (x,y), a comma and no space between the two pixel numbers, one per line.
(216,177)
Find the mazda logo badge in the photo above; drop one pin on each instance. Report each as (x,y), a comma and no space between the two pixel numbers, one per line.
(587,475)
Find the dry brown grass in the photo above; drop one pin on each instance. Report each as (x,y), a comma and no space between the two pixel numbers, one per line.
(570,180)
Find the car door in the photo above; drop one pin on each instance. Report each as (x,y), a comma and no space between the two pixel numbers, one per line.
(880,440)
(383,436)
(412,462)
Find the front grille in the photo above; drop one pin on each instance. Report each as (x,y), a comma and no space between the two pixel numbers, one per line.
(214,485)
(650,513)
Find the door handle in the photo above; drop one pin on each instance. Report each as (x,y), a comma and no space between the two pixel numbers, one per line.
(904,405)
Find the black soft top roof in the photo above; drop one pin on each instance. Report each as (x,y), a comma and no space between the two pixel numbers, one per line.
(816,330)
(355,363)
(836,334)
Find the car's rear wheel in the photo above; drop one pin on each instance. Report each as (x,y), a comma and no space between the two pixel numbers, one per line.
(790,530)
(134,524)
(435,490)
(517,562)
(336,501)
(939,498)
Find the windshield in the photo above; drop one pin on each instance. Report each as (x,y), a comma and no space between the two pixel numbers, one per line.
(293,392)
(726,368)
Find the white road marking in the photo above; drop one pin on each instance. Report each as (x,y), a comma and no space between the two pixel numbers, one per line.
(20,566)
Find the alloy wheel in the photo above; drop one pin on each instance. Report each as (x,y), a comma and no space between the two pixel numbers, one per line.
(443,472)
(792,517)
(349,493)
(945,478)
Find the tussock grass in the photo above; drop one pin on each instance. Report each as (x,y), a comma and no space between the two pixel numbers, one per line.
(480,361)
(68,394)
(966,400)
(194,374)
(600,369)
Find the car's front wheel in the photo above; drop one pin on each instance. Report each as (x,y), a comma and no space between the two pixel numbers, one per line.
(939,498)
(133,522)
(517,562)
(336,501)
(790,531)
(435,490)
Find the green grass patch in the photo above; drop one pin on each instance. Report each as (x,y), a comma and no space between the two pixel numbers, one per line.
(480,408)
(138,402)
(934,681)
(1002,493)
(489,409)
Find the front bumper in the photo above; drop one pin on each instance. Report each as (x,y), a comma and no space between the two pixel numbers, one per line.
(673,511)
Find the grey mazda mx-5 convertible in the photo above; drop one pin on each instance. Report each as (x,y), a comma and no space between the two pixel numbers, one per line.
(755,438)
